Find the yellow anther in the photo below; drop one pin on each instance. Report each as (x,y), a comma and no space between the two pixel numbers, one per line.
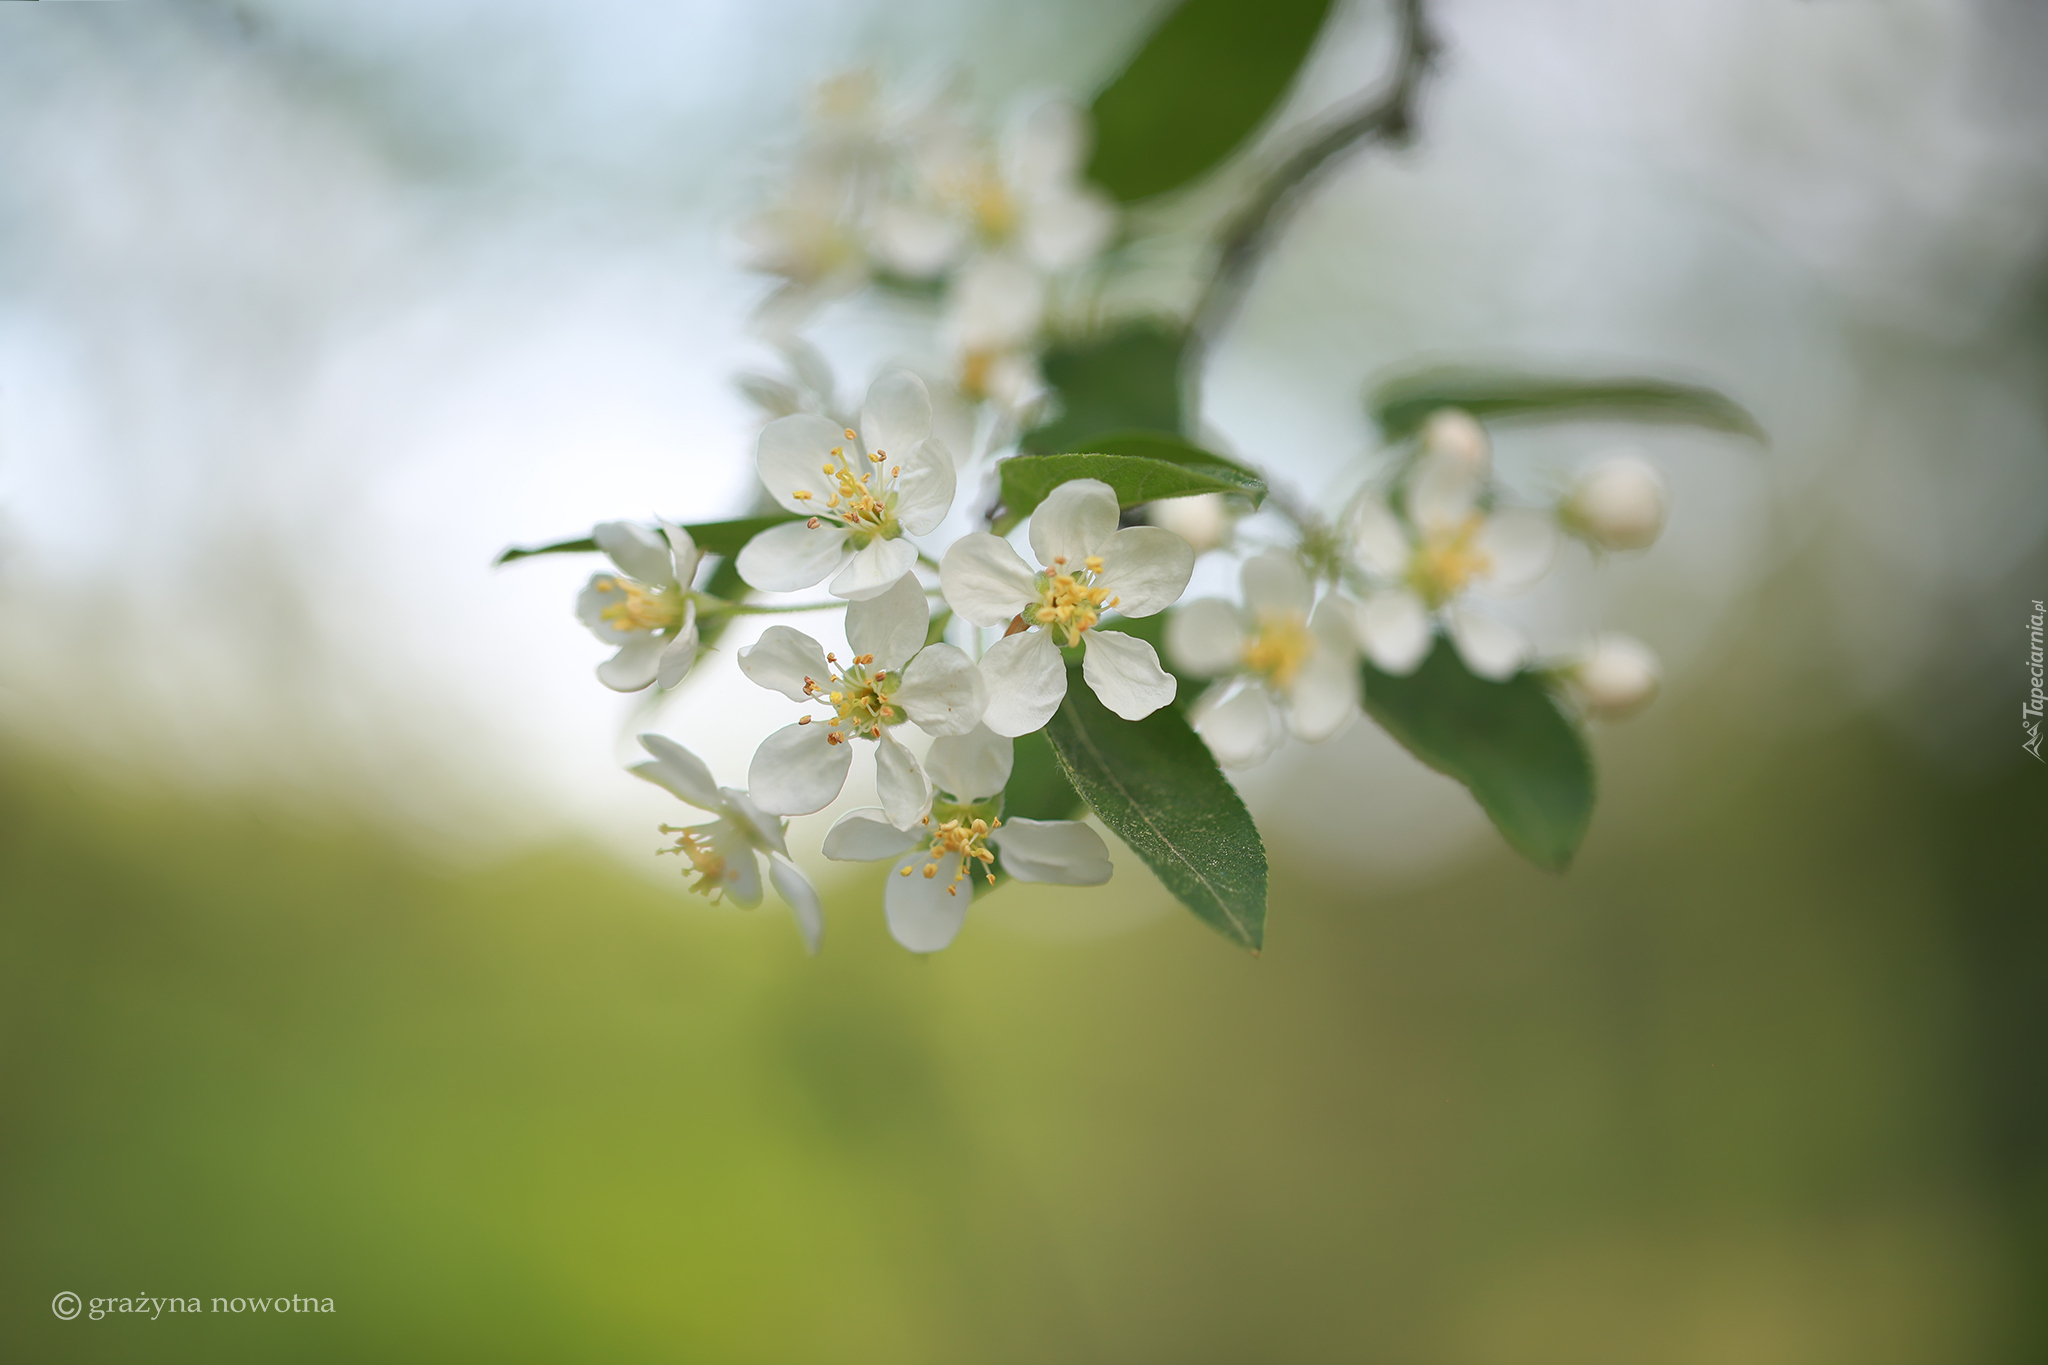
(1447,561)
(641,607)
(1283,644)
(1094,563)
(802,495)
(805,720)
(851,435)
(931,871)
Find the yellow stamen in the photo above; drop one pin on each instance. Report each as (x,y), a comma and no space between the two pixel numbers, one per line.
(1282,645)
(1447,561)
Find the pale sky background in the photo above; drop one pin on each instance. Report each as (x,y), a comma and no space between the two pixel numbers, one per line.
(306,311)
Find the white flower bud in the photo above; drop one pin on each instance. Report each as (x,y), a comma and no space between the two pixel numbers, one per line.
(1202,520)
(1454,435)
(1619,504)
(1616,678)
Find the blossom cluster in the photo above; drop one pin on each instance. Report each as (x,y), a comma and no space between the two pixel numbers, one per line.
(972,642)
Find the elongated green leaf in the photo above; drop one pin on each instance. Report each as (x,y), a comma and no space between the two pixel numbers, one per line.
(1027,479)
(1507,741)
(1162,446)
(1037,789)
(1124,380)
(712,537)
(1202,84)
(1401,406)
(1155,784)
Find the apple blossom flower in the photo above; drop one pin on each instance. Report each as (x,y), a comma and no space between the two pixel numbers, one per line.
(1203,520)
(861,492)
(963,836)
(724,855)
(1282,666)
(645,608)
(892,676)
(1618,504)
(1441,550)
(1617,677)
(1089,567)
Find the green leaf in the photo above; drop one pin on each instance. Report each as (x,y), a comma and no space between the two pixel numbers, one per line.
(1401,406)
(1507,741)
(1202,84)
(1125,380)
(713,538)
(1037,789)
(1156,785)
(1027,479)
(1159,445)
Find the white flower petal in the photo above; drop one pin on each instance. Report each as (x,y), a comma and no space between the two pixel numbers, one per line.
(1124,671)
(796,889)
(792,456)
(874,570)
(905,792)
(684,557)
(1065,852)
(985,580)
(782,659)
(742,867)
(1444,491)
(1393,628)
(943,691)
(1146,569)
(634,666)
(1062,231)
(1240,727)
(1519,546)
(866,836)
(1378,539)
(793,555)
(1075,521)
(917,243)
(1205,636)
(891,625)
(972,766)
(1322,696)
(898,414)
(996,302)
(1050,144)
(798,770)
(681,653)
(679,771)
(924,490)
(1276,585)
(638,551)
(925,913)
(761,829)
(1026,680)
(1489,648)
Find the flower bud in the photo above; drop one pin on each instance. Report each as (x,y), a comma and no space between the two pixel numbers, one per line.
(1203,520)
(1454,435)
(1618,504)
(1616,678)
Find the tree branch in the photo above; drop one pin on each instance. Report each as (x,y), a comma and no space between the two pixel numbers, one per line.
(1387,115)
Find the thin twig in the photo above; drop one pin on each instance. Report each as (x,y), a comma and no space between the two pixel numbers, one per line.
(1387,115)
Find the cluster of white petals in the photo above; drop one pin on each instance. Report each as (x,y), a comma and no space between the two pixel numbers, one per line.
(973,643)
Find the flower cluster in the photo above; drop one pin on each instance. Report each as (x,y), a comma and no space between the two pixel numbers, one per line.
(945,651)
(913,196)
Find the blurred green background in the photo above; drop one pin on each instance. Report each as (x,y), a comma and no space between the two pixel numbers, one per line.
(1757,1082)
(330,960)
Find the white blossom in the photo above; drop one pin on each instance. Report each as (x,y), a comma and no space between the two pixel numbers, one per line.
(1618,504)
(892,676)
(645,608)
(1203,520)
(1089,566)
(1440,551)
(963,835)
(1614,679)
(725,854)
(861,493)
(1282,667)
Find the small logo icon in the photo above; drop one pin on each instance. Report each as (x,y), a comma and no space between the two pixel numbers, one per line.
(65,1305)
